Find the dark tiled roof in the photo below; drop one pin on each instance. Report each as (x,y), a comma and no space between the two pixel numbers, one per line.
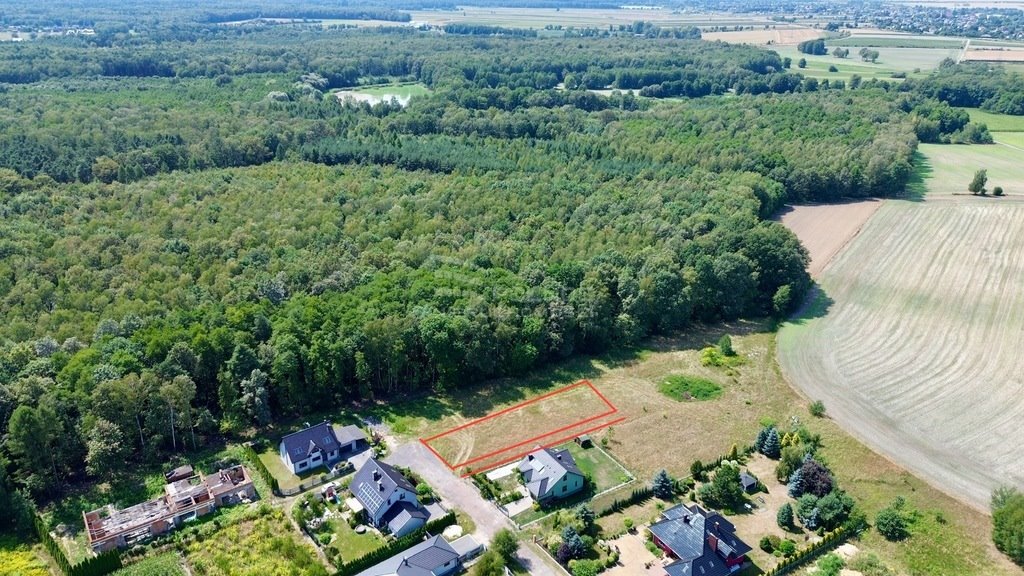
(401,514)
(372,492)
(686,531)
(300,445)
(346,434)
(424,559)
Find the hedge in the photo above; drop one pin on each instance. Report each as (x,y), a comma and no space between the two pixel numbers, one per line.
(100,565)
(809,554)
(409,540)
(638,495)
(261,469)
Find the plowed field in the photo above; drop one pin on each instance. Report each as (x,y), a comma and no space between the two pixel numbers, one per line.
(915,345)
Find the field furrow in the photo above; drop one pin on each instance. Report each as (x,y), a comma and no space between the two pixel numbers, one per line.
(919,352)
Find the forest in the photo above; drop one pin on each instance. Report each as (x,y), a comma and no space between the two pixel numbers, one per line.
(199,238)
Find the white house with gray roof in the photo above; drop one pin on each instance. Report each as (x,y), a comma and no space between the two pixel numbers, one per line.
(551,474)
(322,444)
(388,498)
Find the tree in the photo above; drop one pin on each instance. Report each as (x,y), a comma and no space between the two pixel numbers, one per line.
(840,52)
(816,478)
(801,63)
(997,191)
(725,345)
(977,185)
(585,514)
(32,440)
(107,448)
(772,444)
(662,485)
(573,544)
(255,398)
(1008,523)
(697,469)
(724,490)
(890,521)
(784,517)
(505,544)
(489,564)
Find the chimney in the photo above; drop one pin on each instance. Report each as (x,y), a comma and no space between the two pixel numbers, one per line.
(380,486)
(376,475)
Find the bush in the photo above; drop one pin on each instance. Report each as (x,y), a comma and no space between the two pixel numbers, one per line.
(998,190)
(1008,523)
(505,544)
(766,544)
(891,524)
(787,547)
(725,345)
(628,523)
(817,409)
(585,567)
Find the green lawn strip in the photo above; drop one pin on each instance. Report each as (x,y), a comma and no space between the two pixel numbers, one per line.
(952,166)
(352,545)
(285,478)
(684,388)
(997,122)
(598,466)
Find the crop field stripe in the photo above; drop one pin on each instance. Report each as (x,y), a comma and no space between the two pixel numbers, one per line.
(550,444)
(535,438)
(512,408)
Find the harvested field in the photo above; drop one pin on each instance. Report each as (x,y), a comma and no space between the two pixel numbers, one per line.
(946,169)
(585,17)
(512,432)
(779,37)
(825,228)
(994,55)
(917,353)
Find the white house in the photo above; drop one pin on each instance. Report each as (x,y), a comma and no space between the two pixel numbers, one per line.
(551,474)
(319,445)
(388,497)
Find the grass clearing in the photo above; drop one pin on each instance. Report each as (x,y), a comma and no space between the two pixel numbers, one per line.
(285,478)
(997,122)
(168,564)
(19,559)
(946,169)
(265,545)
(685,388)
(351,545)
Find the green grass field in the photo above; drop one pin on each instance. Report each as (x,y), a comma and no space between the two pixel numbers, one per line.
(351,545)
(685,388)
(168,564)
(18,559)
(595,464)
(997,122)
(285,479)
(400,91)
(890,60)
(949,168)
(895,42)
(1009,138)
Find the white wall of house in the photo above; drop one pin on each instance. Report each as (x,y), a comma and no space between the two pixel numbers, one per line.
(566,486)
(308,464)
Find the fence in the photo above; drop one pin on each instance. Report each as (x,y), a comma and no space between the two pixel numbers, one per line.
(317,480)
(806,555)
(379,555)
(96,566)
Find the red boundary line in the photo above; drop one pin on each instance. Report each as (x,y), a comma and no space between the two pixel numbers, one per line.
(529,440)
(611,410)
(514,407)
(555,443)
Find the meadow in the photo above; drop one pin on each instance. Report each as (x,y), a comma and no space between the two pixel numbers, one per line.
(997,122)
(948,168)
(19,559)
(167,564)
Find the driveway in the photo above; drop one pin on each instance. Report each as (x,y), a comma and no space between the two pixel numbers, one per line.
(459,493)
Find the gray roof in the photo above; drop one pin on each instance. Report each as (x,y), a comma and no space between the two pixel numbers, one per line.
(747,480)
(687,531)
(346,434)
(427,558)
(373,490)
(300,445)
(466,546)
(544,467)
(402,513)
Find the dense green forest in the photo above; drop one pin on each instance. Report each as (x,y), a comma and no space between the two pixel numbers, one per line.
(198,236)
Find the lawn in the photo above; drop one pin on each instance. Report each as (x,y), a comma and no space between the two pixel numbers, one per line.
(684,388)
(285,478)
(997,122)
(168,564)
(352,545)
(597,465)
(267,544)
(19,559)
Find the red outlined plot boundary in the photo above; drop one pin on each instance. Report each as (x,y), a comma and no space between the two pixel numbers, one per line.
(529,442)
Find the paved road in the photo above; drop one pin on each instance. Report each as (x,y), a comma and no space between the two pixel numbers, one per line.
(461,494)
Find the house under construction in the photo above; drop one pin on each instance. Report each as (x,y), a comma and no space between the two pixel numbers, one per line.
(183,500)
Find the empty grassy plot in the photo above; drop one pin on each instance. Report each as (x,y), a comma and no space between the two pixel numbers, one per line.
(510,432)
(285,478)
(685,388)
(997,122)
(168,564)
(948,168)
(265,545)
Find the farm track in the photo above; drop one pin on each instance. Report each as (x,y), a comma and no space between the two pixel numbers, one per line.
(918,353)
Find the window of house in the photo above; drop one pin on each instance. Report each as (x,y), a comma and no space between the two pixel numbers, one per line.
(302,465)
(564,487)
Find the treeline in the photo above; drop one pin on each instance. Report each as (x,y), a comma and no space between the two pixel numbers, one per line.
(992,88)
(348,13)
(483,30)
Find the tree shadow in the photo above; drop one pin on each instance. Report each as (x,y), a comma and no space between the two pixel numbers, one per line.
(816,305)
(916,188)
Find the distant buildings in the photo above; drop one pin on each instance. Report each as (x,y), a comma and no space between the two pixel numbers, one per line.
(183,500)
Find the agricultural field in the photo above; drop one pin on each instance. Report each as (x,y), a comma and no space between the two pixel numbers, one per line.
(168,564)
(267,544)
(914,347)
(824,229)
(578,17)
(776,36)
(946,169)
(997,122)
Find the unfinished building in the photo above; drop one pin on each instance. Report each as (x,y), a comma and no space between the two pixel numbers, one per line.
(183,500)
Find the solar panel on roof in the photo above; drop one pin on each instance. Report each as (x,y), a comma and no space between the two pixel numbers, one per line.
(371,498)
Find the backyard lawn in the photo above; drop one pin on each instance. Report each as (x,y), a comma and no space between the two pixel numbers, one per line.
(351,545)
(597,465)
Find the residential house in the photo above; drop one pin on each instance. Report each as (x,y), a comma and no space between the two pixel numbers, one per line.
(183,500)
(702,542)
(388,498)
(319,445)
(432,557)
(551,474)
